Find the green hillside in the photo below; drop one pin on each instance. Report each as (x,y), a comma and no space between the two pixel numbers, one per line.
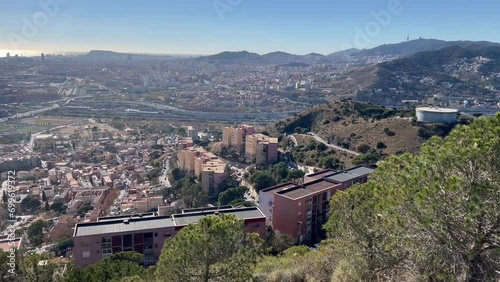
(361,127)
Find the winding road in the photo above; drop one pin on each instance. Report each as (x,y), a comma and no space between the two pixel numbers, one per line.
(319,139)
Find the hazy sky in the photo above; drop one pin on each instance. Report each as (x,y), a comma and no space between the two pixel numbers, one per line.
(211,26)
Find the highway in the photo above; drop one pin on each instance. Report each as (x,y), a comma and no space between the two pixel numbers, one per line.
(30,113)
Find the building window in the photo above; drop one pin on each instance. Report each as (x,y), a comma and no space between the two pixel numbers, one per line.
(128,242)
(148,237)
(106,247)
(299,213)
(85,243)
(256,225)
(107,253)
(106,242)
(85,254)
(300,204)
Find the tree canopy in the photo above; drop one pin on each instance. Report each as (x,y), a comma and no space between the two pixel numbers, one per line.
(273,175)
(114,268)
(27,268)
(35,232)
(232,194)
(262,180)
(84,209)
(29,205)
(215,249)
(434,215)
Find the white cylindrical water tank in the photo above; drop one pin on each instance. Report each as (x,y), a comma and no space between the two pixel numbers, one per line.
(436,115)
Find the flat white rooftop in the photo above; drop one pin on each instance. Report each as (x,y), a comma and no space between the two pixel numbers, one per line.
(436,110)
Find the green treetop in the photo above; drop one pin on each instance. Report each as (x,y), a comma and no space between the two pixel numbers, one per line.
(434,215)
(215,249)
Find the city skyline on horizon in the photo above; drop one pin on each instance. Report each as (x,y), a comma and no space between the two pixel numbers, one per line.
(211,27)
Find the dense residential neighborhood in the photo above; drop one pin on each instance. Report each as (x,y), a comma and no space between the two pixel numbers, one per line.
(108,188)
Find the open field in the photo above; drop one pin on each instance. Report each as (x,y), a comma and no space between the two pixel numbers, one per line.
(53,121)
(22,129)
(85,130)
(4,127)
(32,129)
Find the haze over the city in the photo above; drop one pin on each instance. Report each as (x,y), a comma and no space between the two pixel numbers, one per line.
(208,27)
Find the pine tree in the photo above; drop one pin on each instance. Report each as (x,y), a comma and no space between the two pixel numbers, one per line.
(435,214)
(211,250)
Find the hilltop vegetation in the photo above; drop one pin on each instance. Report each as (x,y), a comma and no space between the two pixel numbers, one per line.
(369,129)
(419,45)
(335,112)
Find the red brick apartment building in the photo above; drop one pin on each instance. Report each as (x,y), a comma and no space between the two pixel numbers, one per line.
(146,233)
(300,210)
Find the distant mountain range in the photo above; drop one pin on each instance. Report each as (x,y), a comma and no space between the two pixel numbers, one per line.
(115,56)
(419,45)
(448,73)
(402,49)
(274,58)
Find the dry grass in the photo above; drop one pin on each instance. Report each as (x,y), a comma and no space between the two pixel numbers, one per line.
(360,131)
(54,121)
(85,130)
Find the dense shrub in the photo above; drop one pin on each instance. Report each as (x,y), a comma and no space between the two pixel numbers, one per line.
(381,145)
(388,132)
(363,148)
(366,159)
